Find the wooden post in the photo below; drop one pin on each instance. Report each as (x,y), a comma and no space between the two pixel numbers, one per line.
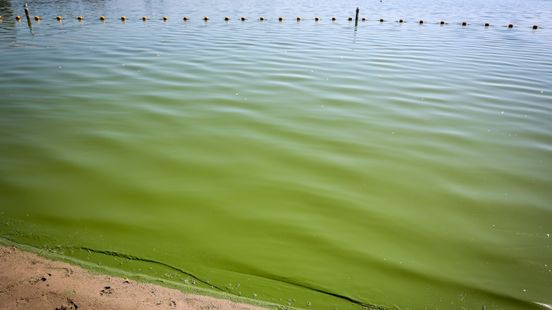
(28,15)
(356,17)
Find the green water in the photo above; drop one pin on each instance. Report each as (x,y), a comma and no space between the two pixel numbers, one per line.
(301,164)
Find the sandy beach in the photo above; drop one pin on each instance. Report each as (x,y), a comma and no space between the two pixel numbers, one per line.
(28,281)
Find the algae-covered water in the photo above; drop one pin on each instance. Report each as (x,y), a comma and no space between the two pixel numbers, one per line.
(303,164)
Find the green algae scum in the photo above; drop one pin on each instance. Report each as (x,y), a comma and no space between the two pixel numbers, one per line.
(291,164)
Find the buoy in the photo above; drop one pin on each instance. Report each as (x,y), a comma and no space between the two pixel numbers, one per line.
(280,19)
(510,26)
(334,19)
(185,18)
(381,20)
(80,18)
(535,27)
(123,18)
(144,18)
(421,22)
(261,19)
(442,22)
(364,19)
(401,21)
(59,18)
(18,18)
(243,19)
(226,18)
(102,18)
(165,18)
(317,19)
(205,18)
(37,18)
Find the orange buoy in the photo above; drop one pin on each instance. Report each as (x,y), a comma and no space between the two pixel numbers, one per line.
(37,18)
(261,19)
(123,18)
(421,22)
(165,18)
(381,20)
(80,18)
(510,26)
(102,18)
(59,18)
(317,19)
(185,18)
(401,21)
(280,19)
(226,18)
(334,19)
(243,18)
(18,18)
(350,19)
(144,18)
(205,18)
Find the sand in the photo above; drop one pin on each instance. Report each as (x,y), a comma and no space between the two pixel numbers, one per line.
(28,281)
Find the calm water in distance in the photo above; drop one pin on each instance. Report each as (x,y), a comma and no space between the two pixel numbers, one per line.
(304,164)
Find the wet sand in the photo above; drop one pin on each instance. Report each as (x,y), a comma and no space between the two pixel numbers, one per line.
(28,281)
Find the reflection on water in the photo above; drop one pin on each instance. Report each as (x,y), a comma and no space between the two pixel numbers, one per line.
(302,163)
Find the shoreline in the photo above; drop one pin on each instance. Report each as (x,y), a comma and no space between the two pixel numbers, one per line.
(28,280)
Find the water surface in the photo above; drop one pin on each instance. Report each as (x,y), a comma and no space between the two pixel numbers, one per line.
(306,164)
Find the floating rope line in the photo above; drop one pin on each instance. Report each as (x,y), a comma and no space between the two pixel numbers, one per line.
(281,19)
